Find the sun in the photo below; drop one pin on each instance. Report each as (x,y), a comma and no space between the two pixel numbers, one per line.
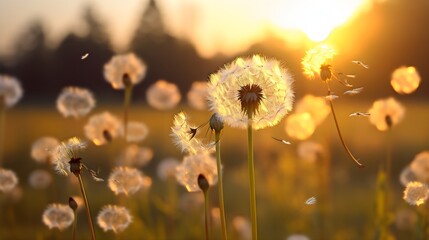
(316,19)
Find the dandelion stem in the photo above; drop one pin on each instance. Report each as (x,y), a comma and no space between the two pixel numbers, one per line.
(206,214)
(2,132)
(220,186)
(127,101)
(339,132)
(252,177)
(88,211)
(74,224)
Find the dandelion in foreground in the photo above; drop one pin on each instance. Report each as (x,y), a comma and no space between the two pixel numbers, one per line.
(386,113)
(420,166)
(183,134)
(167,168)
(75,102)
(10,91)
(416,193)
(136,156)
(102,128)
(59,216)
(134,132)
(317,107)
(128,180)
(197,95)
(8,180)
(43,149)
(405,80)
(300,126)
(310,151)
(115,218)
(40,179)
(163,95)
(192,166)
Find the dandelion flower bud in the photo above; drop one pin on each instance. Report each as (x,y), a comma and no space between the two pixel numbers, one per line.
(75,102)
(58,216)
(67,156)
(127,180)
(136,156)
(102,128)
(405,80)
(416,193)
(300,126)
(386,113)
(197,95)
(40,179)
(203,184)
(10,91)
(167,168)
(163,95)
(115,218)
(216,123)
(136,131)
(192,166)
(73,204)
(8,180)
(124,69)
(43,149)
(420,166)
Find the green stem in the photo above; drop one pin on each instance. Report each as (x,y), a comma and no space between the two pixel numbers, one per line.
(252,178)
(88,211)
(74,224)
(127,101)
(220,186)
(2,132)
(206,214)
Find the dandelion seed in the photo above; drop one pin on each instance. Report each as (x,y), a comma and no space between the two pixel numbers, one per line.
(115,218)
(420,166)
(297,237)
(354,91)
(128,180)
(75,102)
(360,63)
(351,76)
(66,152)
(300,126)
(163,95)
(309,151)
(311,201)
(102,128)
(124,69)
(282,141)
(331,97)
(315,58)
(136,131)
(167,168)
(43,149)
(182,136)
(405,80)
(386,113)
(135,155)
(359,114)
(197,95)
(59,216)
(192,166)
(8,180)
(40,179)
(10,90)
(317,107)
(84,56)
(416,193)
(406,219)
(242,227)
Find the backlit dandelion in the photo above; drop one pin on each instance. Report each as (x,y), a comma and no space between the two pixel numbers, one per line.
(194,165)
(43,149)
(420,166)
(310,151)
(10,91)
(128,180)
(316,62)
(163,95)
(8,180)
(40,179)
(386,113)
(59,216)
(102,128)
(300,126)
(183,134)
(197,95)
(124,69)
(317,107)
(67,152)
(75,102)
(115,218)
(167,168)
(137,131)
(405,80)
(136,156)
(416,193)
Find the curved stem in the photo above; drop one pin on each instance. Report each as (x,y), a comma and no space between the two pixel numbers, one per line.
(206,214)
(339,132)
(220,186)
(251,169)
(88,211)
(127,101)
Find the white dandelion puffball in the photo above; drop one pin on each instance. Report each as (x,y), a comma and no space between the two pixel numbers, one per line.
(75,102)
(10,91)
(136,131)
(40,179)
(136,156)
(8,180)
(102,128)
(420,166)
(242,227)
(405,80)
(59,216)
(256,86)
(192,166)
(407,176)
(122,68)
(167,168)
(315,58)
(310,151)
(66,151)
(386,113)
(43,149)
(115,218)
(300,126)
(197,95)
(183,137)
(317,107)
(163,95)
(416,193)
(128,180)
(297,237)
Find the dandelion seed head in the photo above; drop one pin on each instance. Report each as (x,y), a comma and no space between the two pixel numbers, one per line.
(261,86)
(182,137)
(300,126)
(128,180)
(297,237)
(310,151)
(317,107)
(405,219)
(75,102)
(66,151)
(405,80)
(197,95)
(386,113)
(407,176)
(420,166)
(43,149)
(59,216)
(167,169)
(40,179)
(8,180)
(115,218)
(137,131)
(10,91)
(124,66)
(102,128)
(242,227)
(315,62)
(416,193)
(192,166)
(136,156)
(163,95)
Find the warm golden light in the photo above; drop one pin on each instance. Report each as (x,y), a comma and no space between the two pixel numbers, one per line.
(315,58)
(405,80)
